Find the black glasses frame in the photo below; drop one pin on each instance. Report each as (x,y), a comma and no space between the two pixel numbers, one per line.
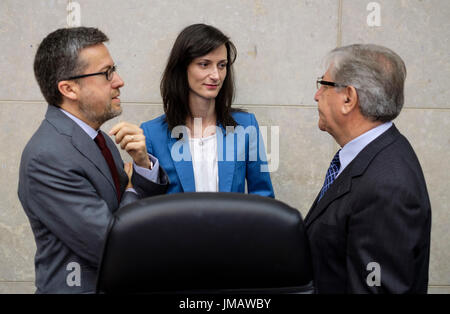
(320,81)
(108,74)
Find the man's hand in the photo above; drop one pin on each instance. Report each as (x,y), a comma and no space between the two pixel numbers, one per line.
(128,167)
(132,139)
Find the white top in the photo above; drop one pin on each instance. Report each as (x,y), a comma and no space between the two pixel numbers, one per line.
(204,163)
(354,147)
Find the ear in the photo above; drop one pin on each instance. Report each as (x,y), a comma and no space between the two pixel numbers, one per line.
(69,89)
(350,100)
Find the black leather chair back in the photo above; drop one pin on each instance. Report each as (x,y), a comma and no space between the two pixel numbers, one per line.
(206,242)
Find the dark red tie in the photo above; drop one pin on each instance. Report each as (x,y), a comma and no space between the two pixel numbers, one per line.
(101,143)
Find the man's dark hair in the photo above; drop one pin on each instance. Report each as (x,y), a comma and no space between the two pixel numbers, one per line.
(195,41)
(57,58)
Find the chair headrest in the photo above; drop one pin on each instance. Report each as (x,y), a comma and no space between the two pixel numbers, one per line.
(199,241)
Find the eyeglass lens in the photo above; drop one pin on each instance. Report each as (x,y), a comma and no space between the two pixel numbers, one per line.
(110,73)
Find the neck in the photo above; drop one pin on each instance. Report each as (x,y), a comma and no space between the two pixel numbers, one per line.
(356,128)
(203,116)
(74,110)
(201,107)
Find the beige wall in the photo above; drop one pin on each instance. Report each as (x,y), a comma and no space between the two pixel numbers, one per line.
(280,49)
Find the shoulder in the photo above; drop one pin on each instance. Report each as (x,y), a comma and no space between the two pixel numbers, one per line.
(49,153)
(158,124)
(244,118)
(394,167)
(47,140)
(156,133)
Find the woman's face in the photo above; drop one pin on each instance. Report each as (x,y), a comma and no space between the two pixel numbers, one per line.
(207,73)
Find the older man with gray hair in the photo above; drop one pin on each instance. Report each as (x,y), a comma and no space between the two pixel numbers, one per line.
(370,225)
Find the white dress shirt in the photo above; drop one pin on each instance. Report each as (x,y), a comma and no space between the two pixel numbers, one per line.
(352,148)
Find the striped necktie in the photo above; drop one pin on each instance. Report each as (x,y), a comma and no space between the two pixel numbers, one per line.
(333,170)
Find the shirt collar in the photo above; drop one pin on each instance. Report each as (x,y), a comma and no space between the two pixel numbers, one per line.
(86,128)
(352,148)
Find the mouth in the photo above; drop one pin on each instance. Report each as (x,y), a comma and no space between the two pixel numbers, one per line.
(211,86)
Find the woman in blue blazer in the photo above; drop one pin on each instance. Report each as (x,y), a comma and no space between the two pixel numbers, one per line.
(201,142)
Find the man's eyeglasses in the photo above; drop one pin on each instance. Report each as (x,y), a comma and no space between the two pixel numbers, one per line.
(321,82)
(108,74)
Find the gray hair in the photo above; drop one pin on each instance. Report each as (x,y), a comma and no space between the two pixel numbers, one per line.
(377,73)
(57,58)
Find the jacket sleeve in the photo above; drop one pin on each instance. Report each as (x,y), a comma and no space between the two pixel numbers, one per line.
(64,200)
(144,187)
(388,240)
(257,175)
(147,188)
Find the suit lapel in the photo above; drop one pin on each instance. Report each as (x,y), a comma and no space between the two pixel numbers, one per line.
(357,167)
(87,147)
(340,186)
(80,140)
(183,167)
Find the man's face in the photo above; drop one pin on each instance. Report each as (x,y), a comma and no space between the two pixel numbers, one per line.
(328,100)
(99,98)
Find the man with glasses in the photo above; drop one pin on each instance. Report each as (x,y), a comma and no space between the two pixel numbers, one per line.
(72,178)
(369,227)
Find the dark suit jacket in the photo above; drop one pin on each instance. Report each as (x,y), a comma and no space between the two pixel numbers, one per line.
(68,194)
(377,210)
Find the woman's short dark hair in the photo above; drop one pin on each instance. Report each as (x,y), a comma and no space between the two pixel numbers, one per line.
(195,41)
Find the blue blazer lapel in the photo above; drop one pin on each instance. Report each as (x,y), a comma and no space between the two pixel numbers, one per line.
(184,166)
(225,165)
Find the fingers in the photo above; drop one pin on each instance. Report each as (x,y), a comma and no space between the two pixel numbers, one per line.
(132,145)
(128,139)
(116,128)
(128,167)
(122,129)
(137,151)
(131,138)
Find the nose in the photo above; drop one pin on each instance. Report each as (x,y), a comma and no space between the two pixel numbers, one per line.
(316,95)
(214,74)
(117,81)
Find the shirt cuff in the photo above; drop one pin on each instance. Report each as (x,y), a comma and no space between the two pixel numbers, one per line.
(151,175)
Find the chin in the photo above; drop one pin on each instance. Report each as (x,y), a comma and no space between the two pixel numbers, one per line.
(322,127)
(209,97)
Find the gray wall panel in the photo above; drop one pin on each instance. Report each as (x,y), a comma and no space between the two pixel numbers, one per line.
(280,48)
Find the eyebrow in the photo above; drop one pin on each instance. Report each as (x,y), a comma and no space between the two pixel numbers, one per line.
(204,59)
(106,67)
